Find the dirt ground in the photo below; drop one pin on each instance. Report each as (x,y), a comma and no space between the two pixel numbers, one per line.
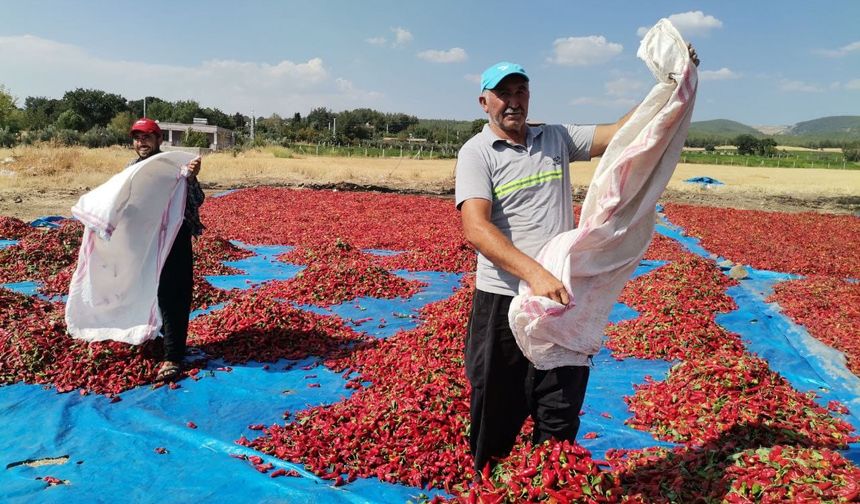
(38,182)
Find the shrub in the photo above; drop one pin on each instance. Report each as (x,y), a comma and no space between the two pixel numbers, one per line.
(195,139)
(67,137)
(7,137)
(99,136)
(70,120)
(37,136)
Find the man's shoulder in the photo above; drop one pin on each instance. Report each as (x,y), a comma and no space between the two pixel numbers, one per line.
(553,128)
(476,149)
(479,140)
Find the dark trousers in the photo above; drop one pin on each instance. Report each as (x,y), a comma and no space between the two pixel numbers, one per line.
(507,389)
(174,295)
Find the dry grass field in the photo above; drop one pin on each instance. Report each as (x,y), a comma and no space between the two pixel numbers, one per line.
(37,181)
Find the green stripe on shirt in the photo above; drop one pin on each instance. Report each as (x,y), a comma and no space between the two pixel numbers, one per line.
(531,180)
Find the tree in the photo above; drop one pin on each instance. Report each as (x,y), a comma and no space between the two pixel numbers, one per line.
(40,112)
(218,118)
(195,139)
(95,108)
(239,120)
(766,147)
(477,126)
(136,107)
(746,144)
(397,122)
(320,118)
(121,123)
(351,126)
(308,134)
(158,110)
(184,111)
(9,113)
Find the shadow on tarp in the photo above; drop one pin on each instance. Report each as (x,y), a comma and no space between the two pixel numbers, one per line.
(605,410)
(806,363)
(111,446)
(701,471)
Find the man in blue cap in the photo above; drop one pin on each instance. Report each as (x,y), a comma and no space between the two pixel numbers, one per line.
(514,194)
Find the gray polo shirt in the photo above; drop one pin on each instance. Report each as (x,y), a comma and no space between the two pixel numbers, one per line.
(529,186)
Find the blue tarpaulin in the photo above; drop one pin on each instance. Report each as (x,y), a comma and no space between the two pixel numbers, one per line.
(50,221)
(705,181)
(111,446)
(806,363)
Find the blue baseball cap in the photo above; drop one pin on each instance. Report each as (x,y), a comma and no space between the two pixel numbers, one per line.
(493,75)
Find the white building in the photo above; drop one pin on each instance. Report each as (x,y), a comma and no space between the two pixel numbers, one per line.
(219,138)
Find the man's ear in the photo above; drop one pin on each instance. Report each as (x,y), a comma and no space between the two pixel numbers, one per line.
(482,101)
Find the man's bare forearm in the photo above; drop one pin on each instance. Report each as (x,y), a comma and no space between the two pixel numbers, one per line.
(496,247)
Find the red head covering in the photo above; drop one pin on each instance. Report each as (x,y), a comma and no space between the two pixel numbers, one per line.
(146,125)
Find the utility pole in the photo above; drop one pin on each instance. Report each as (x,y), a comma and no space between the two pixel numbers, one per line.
(144,106)
(253,120)
(334,129)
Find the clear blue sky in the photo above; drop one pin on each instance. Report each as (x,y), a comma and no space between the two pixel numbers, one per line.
(764,62)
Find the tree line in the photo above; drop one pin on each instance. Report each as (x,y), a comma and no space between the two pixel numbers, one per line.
(96,118)
(749,145)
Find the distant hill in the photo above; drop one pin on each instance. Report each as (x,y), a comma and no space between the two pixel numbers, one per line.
(839,125)
(833,129)
(722,128)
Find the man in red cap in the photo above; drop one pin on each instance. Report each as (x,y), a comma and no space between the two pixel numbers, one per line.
(177,276)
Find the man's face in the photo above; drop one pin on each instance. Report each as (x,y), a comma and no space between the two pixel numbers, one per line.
(507,105)
(145,144)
